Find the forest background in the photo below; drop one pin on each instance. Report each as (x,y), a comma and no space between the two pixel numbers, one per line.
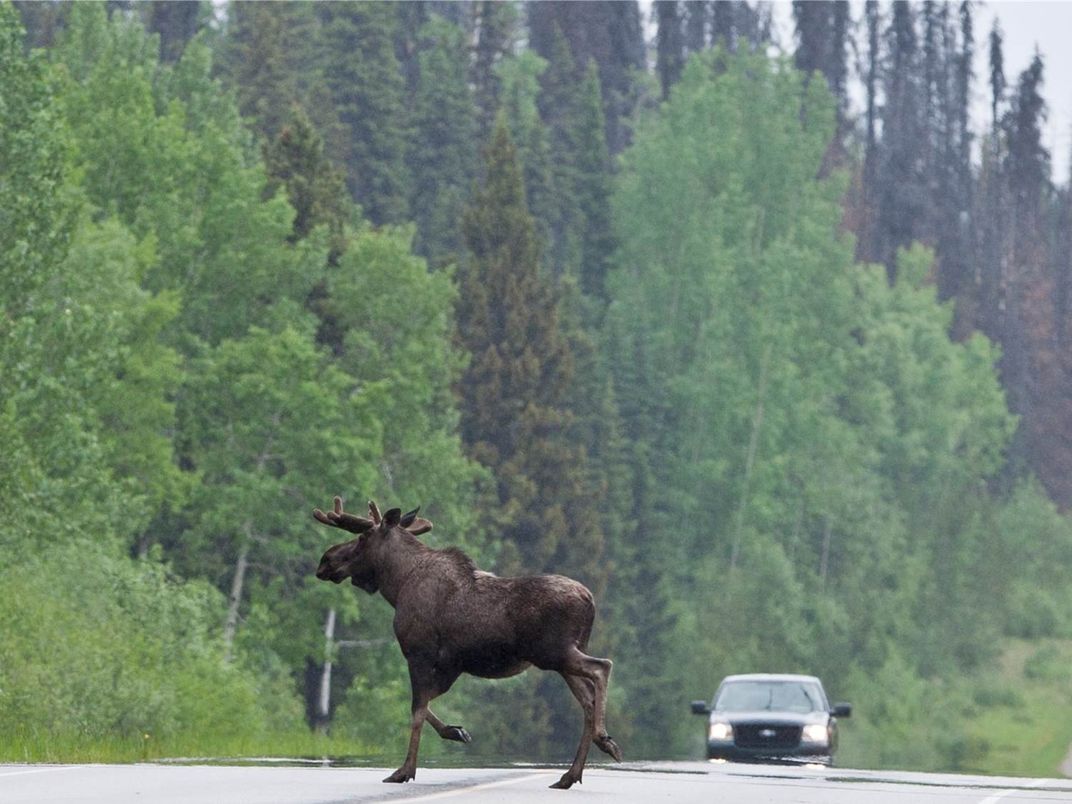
(786,385)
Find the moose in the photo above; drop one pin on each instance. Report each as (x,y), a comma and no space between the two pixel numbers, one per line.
(452,618)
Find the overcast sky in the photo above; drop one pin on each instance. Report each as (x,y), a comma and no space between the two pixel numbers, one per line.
(1025,25)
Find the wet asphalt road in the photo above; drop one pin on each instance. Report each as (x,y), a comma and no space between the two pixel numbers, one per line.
(630,782)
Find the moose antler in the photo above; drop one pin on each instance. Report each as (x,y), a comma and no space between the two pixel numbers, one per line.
(337,518)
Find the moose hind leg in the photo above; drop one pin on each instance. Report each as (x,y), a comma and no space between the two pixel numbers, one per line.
(597,672)
(583,692)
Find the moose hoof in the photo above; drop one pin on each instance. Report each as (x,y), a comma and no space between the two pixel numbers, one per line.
(566,782)
(605,744)
(400,775)
(456,733)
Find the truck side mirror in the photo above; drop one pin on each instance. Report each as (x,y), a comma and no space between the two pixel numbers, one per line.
(842,710)
(700,708)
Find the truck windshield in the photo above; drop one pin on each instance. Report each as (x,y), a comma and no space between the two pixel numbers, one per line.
(770,696)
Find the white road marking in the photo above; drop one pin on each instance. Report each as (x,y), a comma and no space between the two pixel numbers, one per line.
(1004,793)
(42,770)
(460,791)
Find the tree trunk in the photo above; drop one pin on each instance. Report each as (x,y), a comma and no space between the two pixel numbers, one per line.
(824,555)
(323,709)
(753,444)
(231,624)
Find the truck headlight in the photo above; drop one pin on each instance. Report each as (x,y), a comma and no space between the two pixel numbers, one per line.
(720,731)
(815,733)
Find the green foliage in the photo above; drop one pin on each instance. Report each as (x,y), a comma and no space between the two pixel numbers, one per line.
(106,341)
(666,376)
(35,222)
(269,422)
(398,321)
(376,712)
(822,426)
(1030,534)
(181,283)
(146,650)
(173,165)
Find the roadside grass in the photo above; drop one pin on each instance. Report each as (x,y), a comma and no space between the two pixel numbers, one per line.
(32,746)
(1021,716)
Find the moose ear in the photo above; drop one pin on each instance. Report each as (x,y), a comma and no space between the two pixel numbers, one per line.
(408,517)
(392,518)
(419,526)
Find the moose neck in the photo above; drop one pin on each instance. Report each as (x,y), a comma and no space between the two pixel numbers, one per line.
(402,556)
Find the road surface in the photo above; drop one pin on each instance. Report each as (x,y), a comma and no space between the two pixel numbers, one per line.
(275,783)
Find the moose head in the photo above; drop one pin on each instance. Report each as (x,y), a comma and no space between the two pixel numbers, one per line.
(360,559)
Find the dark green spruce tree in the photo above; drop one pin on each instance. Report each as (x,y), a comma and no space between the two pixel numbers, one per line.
(516,419)
(176,22)
(558,100)
(514,392)
(609,33)
(42,21)
(593,187)
(997,72)
(497,27)
(697,17)
(297,165)
(822,29)
(902,185)
(864,201)
(295,160)
(257,58)
(520,92)
(443,160)
(1026,324)
(736,25)
(368,89)
(991,207)
(670,47)
(957,258)
(576,213)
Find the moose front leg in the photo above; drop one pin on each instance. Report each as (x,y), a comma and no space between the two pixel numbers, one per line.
(419,713)
(409,767)
(426,684)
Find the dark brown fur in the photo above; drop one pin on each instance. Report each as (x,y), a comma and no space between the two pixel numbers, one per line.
(452,618)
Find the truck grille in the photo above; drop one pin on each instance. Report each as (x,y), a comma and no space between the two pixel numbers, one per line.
(766,735)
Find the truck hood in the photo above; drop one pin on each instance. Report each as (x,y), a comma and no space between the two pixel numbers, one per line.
(768,716)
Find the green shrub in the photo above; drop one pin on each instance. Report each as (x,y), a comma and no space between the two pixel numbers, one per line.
(115,652)
(1047,664)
